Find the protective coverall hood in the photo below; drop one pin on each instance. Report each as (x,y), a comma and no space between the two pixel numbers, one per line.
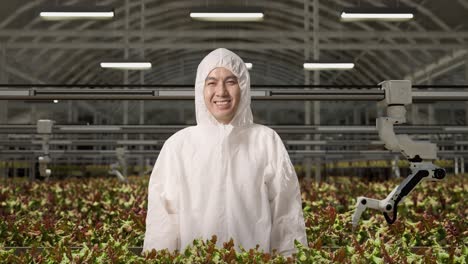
(227,59)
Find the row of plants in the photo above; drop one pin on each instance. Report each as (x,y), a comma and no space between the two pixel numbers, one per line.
(102,219)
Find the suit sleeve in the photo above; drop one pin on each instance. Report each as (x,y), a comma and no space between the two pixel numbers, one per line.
(162,220)
(285,204)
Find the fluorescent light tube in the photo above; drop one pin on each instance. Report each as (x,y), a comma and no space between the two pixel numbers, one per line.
(317,66)
(227,14)
(248,65)
(372,16)
(232,17)
(385,14)
(76,12)
(126,65)
(76,15)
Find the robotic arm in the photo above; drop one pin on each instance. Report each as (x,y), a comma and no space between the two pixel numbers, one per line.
(121,163)
(388,206)
(420,154)
(44,128)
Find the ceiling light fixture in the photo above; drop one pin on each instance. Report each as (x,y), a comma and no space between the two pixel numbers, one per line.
(385,14)
(318,66)
(227,14)
(76,12)
(126,65)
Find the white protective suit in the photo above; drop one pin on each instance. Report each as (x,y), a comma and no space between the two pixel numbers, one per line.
(233,181)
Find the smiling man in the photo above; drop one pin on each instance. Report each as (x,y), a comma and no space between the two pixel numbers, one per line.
(226,176)
(222,94)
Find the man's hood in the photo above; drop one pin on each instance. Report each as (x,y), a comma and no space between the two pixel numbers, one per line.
(223,58)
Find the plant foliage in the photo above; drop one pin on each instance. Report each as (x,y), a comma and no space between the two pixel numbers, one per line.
(102,220)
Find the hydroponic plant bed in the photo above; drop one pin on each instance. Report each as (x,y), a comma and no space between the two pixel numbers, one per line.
(103,220)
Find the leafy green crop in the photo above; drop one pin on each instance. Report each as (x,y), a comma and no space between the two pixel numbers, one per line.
(103,220)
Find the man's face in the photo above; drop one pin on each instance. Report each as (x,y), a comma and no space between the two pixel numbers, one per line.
(222,94)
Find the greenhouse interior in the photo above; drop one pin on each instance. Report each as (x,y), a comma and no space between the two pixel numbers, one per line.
(289,131)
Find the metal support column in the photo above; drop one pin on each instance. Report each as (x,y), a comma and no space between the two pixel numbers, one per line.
(307,162)
(97,121)
(142,81)
(357,116)
(125,77)
(466,81)
(32,168)
(462,165)
(366,118)
(453,116)
(430,108)
(15,168)
(316,17)
(3,79)
(415,114)
(431,115)
(70,120)
(3,106)
(126,56)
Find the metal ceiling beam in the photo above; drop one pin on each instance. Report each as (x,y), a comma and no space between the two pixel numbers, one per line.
(18,12)
(171,65)
(293,129)
(154,143)
(392,27)
(11,66)
(31,79)
(441,66)
(156,16)
(195,33)
(422,10)
(75,70)
(414,56)
(154,94)
(235,34)
(174,5)
(371,154)
(463,3)
(36,19)
(114,25)
(153,40)
(168,69)
(257,94)
(138,34)
(118,33)
(22,75)
(93,45)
